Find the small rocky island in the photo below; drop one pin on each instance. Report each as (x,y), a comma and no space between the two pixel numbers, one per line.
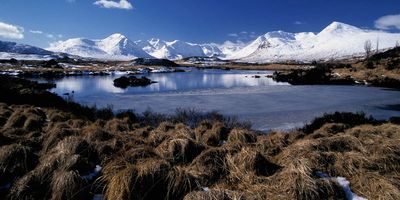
(132,81)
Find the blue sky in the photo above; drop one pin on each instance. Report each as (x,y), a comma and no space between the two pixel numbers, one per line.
(44,21)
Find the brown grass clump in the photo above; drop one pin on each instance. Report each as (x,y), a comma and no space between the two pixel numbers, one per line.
(298,182)
(273,143)
(211,134)
(242,136)
(55,133)
(146,179)
(324,155)
(163,132)
(185,131)
(5,113)
(214,194)
(117,125)
(340,143)
(250,161)
(70,154)
(53,162)
(384,157)
(28,187)
(180,182)
(73,145)
(119,181)
(77,154)
(180,150)
(26,118)
(138,153)
(369,133)
(68,185)
(77,123)
(51,154)
(94,133)
(374,186)
(210,166)
(106,150)
(15,161)
(327,130)
(58,116)
(165,126)
(141,132)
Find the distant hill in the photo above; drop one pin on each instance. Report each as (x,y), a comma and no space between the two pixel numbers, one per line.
(12,47)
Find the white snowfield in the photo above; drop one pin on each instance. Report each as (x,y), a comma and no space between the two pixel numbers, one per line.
(336,41)
(114,47)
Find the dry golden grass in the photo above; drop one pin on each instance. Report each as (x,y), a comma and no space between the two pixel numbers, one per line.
(242,136)
(179,150)
(214,194)
(68,185)
(15,161)
(46,159)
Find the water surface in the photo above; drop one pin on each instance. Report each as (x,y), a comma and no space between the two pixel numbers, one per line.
(262,101)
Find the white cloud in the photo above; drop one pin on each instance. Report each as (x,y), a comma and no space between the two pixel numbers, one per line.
(36,32)
(388,21)
(51,36)
(233,35)
(122,4)
(243,36)
(11,31)
(298,23)
(48,35)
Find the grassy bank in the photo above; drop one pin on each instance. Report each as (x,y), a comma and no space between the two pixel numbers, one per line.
(54,149)
(380,70)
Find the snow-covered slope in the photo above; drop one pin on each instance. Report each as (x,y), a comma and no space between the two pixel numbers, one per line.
(229,48)
(338,40)
(9,50)
(118,44)
(12,47)
(177,49)
(115,46)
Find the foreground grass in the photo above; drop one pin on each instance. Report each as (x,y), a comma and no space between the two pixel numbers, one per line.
(66,151)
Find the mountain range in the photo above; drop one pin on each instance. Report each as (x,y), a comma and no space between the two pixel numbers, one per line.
(337,40)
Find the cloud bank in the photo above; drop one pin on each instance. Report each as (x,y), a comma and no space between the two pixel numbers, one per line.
(10,31)
(388,22)
(122,4)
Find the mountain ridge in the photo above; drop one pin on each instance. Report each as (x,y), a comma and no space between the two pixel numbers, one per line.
(337,40)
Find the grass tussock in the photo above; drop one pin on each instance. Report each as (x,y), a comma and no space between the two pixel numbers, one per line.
(15,161)
(68,185)
(211,160)
(58,153)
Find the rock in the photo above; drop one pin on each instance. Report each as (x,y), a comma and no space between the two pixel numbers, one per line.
(132,81)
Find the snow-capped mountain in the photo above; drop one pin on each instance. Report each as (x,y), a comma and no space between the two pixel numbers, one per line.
(115,46)
(229,48)
(338,40)
(177,49)
(9,50)
(118,46)
(12,47)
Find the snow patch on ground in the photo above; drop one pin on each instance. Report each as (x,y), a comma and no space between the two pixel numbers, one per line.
(345,184)
(98,197)
(346,187)
(8,56)
(6,186)
(94,174)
